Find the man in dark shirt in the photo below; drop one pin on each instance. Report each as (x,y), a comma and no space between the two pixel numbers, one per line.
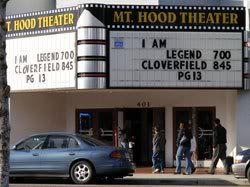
(219,146)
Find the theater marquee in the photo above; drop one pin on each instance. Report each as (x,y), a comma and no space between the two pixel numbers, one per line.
(41,50)
(176,47)
(175,59)
(188,18)
(94,46)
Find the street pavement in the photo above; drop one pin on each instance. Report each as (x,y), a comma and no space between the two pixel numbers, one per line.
(157,180)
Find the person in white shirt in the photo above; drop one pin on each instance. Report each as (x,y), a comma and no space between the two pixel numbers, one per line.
(193,151)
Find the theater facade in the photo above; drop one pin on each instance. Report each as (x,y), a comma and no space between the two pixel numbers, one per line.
(97,69)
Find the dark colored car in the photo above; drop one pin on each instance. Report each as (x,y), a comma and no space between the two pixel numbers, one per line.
(78,157)
(241,168)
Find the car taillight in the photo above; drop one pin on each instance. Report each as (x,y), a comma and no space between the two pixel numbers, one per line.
(116,154)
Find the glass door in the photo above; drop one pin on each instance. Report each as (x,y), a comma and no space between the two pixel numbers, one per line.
(205,118)
(202,125)
(97,123)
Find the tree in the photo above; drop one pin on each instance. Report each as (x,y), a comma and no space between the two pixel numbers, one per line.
(4,103)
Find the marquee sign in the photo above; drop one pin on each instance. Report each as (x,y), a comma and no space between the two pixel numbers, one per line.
(41,62)
(175,59)
(43,22)
(149,46)
(190,18)
(194,56)
(41,50)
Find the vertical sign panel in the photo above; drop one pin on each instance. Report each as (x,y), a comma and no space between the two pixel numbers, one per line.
(42,62)
(175,59)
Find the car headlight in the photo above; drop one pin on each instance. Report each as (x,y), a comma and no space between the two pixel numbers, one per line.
(238,159)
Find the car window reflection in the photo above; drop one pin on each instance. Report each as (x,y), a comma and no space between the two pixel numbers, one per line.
(61,142)
(31,143)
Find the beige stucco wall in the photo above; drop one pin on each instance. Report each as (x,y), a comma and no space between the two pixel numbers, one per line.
(242,120)
(35,113)
(42,112)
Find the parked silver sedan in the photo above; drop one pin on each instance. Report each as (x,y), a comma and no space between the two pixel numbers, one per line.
(241,168)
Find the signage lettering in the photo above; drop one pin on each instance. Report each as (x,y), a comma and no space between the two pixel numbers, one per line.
(159,43)
(173,64)
(143,104)
(41,22)
(177,17)
(184,54)
(122,17)
(135,17)
(178,59)
(153,17)
(47,62)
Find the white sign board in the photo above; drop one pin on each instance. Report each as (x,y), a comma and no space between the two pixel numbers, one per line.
(42,62)
(175,59)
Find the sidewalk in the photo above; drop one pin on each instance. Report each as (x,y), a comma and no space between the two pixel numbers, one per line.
(148,179)
(200,177)
(201,171)
(184,180)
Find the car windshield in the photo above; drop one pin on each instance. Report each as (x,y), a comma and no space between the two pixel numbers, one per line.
(91,141)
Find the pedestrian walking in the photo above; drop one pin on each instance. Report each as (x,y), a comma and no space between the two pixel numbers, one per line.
(193,154)
(219,146)
(184,144)
(124,138)
(132,147)
(192,149)
(159,142)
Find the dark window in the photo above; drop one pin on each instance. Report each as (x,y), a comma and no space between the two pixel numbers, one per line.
(58,142)
(91,141)
(85,123)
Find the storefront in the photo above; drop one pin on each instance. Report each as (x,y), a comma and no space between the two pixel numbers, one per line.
(61,111)
(99,69)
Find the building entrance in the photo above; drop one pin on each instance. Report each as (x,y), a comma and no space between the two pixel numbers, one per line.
(97,123)
(202,123)
(138,124)
(108,126)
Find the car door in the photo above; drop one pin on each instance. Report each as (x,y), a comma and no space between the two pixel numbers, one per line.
(25,157)
(58,153)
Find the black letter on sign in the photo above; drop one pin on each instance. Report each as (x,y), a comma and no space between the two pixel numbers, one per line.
(143,43)
(143,64)
(155,44)
(180,75)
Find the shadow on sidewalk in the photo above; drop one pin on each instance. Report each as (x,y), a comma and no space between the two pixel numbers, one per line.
(136,181)
(173,181)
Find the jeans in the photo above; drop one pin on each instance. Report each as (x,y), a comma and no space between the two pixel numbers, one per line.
(157,159)
(180,151)
(219,153)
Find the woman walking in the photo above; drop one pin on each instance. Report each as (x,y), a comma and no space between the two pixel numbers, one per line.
(184,145)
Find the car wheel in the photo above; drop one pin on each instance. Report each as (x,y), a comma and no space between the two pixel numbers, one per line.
(81,172)
(248,174)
